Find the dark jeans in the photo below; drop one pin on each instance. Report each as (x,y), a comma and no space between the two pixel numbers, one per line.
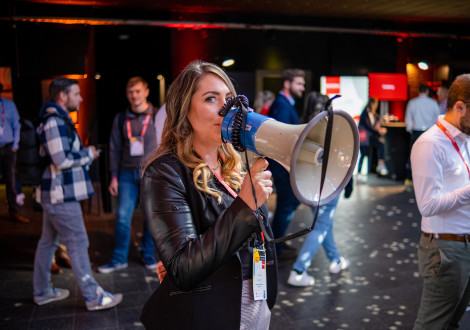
(7,164)
(286,204)
(413,137)
(364,152)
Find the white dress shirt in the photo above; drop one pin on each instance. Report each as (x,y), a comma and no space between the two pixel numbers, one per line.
(441,180)
(421,113)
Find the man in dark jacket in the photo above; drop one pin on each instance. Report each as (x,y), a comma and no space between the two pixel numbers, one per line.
(283,110)
(133,136)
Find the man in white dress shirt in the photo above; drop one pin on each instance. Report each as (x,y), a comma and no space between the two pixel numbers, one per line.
(441,176)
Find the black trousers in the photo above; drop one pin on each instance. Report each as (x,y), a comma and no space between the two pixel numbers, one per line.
(7,165)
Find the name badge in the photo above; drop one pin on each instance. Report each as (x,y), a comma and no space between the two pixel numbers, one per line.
(260,291)
(137,146)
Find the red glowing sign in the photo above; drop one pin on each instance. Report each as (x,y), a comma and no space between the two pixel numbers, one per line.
(388,86)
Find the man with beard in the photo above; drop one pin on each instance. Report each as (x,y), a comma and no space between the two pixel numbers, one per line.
(283,110)
(441,177)
(65,182)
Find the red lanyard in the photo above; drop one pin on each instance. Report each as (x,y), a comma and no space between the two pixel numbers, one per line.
(454,143)
(144,128)
(230,190)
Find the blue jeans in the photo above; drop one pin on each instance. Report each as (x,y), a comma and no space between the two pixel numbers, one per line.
(128,192)
(64,221)
(286,204)
(322,234)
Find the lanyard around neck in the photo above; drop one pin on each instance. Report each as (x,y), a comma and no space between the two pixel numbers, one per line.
(229,189)
(454,143)
(144,128)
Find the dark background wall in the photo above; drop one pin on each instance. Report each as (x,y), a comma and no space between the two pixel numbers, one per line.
(42,51)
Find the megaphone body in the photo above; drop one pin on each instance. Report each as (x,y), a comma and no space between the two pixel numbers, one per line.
(299,149)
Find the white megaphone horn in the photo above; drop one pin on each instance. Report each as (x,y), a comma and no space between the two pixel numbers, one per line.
(299,149)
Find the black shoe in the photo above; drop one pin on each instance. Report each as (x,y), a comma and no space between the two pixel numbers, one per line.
(19,218)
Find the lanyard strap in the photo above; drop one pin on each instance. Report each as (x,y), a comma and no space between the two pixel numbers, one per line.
(454,143)
(230,190)
(144,128)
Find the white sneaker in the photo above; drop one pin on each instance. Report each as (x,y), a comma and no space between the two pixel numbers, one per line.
(20,199)
(104,300)
(300,280)
(336,267)
(361,178)
(382,170)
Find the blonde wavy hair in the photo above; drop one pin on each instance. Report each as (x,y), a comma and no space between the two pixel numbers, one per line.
(177,138)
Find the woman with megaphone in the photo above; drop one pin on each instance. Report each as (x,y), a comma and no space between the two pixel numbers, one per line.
(216,271)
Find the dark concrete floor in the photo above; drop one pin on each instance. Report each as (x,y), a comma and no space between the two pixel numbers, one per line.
(377,229)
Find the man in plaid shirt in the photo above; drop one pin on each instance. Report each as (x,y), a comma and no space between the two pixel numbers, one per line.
(65,182)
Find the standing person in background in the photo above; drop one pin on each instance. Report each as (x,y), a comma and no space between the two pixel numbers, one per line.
(370,121)
(442,93)
(314,104)
(9,143)
(421,113)
(441,179)
(263,102)
(65,182)
(201,214)
(283,110)
(133,136)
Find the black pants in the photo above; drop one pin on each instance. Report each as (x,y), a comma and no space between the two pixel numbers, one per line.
(7,165)
(414,135)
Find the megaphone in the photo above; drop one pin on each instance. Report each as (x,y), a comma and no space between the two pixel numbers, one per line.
(300,150)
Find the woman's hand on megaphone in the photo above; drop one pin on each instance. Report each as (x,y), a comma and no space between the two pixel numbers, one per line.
(262,184)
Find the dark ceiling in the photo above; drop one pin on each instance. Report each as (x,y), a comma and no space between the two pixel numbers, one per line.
(395,10)
(447,17)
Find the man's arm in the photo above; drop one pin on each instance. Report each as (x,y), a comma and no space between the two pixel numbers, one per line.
(428,175)
(408,117)
(115,149)
(15,126)
(56,143)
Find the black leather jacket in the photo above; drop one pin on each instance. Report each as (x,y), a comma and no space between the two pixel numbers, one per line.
(197,240)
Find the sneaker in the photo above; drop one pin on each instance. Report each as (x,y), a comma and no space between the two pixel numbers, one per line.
(336,267)
(151,266)
(54,294)
(300,280)
(104,300)
(111,267)
(382,170)
(361,178)
(20,199)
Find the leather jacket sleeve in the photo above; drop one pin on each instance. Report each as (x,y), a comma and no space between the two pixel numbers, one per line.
(170,207)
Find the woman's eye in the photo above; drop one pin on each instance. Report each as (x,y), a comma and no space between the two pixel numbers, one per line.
(211,99)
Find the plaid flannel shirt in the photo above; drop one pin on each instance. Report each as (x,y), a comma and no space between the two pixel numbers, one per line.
(66,178)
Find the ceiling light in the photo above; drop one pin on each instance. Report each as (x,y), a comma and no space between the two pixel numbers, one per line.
(423,65)
(228,62)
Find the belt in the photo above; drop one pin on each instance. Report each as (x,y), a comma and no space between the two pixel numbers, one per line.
(449,237)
